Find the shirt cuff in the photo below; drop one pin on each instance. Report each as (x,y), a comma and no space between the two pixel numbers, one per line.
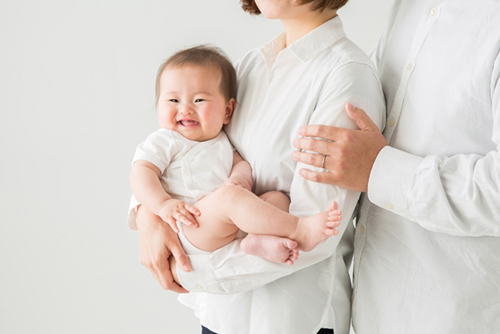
(201,278)
(392,175)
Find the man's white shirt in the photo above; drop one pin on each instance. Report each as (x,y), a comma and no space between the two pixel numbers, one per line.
(427,246)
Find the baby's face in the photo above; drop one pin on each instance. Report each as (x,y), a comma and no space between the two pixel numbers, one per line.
(191,103)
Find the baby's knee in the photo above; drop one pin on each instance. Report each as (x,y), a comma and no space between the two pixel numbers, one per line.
(228,192)
(275,196)
(277,199)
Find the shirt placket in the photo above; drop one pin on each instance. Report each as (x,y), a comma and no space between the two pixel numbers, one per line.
(431,15)
(272,65)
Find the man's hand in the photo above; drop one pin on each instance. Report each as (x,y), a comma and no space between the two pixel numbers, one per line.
(157,243)
(348,155)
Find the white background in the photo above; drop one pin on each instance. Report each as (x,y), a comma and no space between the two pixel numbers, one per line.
(76,97)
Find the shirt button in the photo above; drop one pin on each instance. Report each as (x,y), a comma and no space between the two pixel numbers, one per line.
(434,11)
(391,123)
(199,287)
(389,206)
(362,229)
(409,66)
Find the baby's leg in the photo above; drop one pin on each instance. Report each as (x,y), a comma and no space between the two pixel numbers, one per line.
(231,207)
(227,209)
(311,230)
(271,247)
(277,199)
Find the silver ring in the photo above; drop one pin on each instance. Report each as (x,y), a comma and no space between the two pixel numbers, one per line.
(323,162)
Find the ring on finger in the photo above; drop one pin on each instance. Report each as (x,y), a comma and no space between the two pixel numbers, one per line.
(323,162)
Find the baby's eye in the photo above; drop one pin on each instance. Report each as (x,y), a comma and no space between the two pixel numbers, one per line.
(174,100)
(199,100)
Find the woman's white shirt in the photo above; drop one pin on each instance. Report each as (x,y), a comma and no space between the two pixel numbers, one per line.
(279,90)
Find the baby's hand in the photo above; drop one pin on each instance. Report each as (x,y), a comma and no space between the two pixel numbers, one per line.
(174,209)
(239,182)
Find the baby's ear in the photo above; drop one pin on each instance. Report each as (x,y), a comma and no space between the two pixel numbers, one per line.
(231,104)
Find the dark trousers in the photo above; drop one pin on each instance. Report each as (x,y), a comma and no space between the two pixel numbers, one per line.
(321,331)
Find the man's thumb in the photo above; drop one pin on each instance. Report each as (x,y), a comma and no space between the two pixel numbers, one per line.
(363,121)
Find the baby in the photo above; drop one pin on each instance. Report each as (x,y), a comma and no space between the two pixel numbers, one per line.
(188,173)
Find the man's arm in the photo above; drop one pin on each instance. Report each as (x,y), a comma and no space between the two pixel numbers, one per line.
(458,195)
(350,154)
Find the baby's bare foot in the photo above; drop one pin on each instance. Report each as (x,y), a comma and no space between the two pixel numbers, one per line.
(315,229)
(270,247)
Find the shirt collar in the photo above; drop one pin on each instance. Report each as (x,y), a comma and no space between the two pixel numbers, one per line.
(309,45)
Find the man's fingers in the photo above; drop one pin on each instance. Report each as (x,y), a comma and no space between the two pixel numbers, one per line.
(321,177)
(310,144)
(311,159)
(322,131)
(363,121)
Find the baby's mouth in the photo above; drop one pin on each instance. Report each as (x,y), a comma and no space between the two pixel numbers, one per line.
(188,122)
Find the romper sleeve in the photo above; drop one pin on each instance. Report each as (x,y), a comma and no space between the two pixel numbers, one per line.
(159,149)
(229,269)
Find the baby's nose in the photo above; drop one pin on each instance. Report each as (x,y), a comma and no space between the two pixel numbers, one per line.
(186,109)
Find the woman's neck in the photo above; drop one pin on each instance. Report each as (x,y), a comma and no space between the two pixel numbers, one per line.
(296,28)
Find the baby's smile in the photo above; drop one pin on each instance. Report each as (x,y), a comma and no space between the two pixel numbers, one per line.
(188,122)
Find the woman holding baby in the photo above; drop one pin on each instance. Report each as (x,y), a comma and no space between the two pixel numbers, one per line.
(306,75)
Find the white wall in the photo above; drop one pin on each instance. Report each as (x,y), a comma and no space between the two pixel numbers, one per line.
(76,96)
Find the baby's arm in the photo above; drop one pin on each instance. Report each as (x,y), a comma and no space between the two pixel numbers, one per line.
(241,173)
(147,188)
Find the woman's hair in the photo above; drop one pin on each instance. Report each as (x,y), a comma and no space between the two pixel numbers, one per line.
(251,7)
(203,56)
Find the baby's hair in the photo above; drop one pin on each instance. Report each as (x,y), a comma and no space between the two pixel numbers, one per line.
(204,56)
(251,7)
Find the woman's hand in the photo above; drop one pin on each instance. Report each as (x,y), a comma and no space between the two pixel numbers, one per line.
(173,269)
(158,242)
(347,156)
